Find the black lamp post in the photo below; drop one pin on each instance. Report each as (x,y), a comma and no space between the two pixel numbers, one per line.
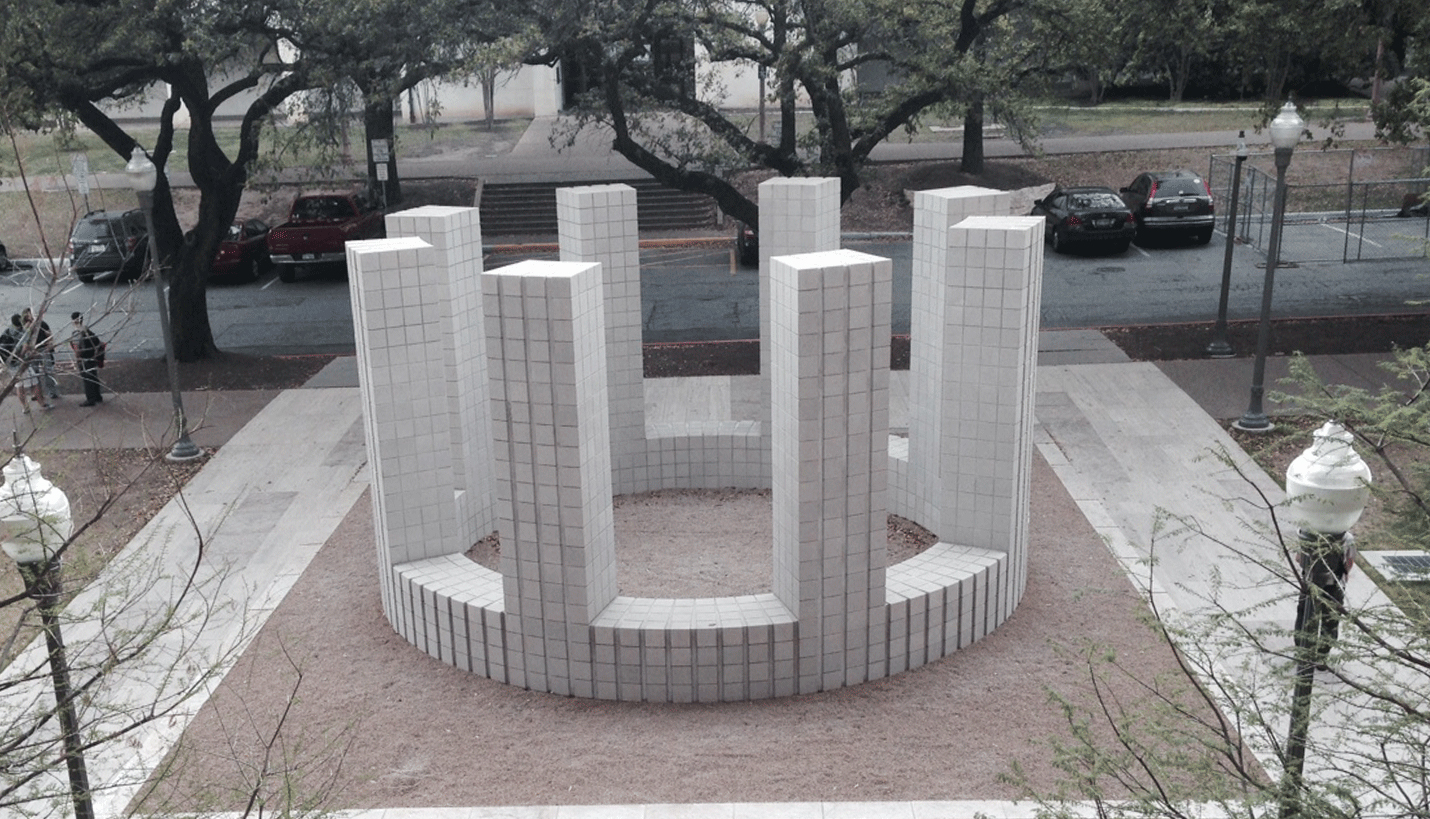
(1327,488)
(1219,347)
(142,177)
(1286,131)
(762,19)
(36,521)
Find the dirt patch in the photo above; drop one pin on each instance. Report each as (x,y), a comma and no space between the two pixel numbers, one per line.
(651,528)
(224,371)
(271,202)
(1340,335)
(112,494)
(417,729)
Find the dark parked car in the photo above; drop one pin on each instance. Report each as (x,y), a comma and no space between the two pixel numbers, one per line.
(1171,203)
(1086,216)
(243,255)
(106,245)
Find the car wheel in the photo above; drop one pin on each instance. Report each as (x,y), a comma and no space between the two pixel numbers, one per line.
(250,270)
(87,278)
(1204,236)
(287,272)
(1060,245)
(1121,247)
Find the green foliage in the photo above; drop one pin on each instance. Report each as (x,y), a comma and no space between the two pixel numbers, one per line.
(1392,430)
(862,68)
(1404,115)
(1149,753)
(1123,754)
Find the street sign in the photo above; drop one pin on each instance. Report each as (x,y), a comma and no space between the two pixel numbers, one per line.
(381,152)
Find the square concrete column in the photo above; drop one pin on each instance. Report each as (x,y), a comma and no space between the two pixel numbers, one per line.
(455,234)
(988,380)
(597,223)
(546,340)
(830,373)
(396,286)
(797,215)
(935,285)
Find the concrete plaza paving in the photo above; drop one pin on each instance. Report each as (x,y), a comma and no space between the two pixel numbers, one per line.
(1125,438)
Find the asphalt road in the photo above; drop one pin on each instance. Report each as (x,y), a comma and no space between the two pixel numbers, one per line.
(695,294)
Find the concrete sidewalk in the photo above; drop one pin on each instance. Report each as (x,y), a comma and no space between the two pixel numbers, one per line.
(1125,438)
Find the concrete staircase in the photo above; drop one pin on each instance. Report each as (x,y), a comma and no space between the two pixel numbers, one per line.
(530,207)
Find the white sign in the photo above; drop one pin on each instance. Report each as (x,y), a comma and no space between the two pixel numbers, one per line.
(380,151)
(79,164)
(382,172)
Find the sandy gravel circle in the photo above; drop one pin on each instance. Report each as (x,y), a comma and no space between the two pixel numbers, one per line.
(418,733)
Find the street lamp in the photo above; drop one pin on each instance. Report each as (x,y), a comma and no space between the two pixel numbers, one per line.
(1219,347)
(762,19)
(1327,488)
(35,523)
(1286,131)
(142,177)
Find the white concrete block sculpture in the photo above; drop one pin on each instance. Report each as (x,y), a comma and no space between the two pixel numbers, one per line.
(517,405)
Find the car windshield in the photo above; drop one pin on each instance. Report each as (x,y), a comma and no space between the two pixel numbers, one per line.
(1181,186)
(1086,201)
(91,229)
(235,232)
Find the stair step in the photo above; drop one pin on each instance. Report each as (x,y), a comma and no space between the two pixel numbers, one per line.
(530,207)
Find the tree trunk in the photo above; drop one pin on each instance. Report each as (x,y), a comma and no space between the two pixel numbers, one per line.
(187,258)
(1178,73)
(489,96)
(181,262)
(972,160)
(377,126)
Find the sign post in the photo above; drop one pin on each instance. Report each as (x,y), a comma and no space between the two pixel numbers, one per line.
(381,156)
(79,166)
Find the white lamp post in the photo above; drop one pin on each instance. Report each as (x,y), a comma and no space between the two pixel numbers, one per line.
(35,524)
(142,177)
(1327,488)
(1286,131)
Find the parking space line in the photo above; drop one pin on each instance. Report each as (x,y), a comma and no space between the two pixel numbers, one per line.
(1358,236)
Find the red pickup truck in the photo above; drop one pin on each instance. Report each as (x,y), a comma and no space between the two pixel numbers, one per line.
(318,226)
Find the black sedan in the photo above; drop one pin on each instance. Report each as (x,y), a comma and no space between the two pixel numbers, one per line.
(1171,203)
(1086,217)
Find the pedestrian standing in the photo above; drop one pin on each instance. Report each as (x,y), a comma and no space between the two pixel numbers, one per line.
(29,368)
(88,354)
(12,342)
(45,346)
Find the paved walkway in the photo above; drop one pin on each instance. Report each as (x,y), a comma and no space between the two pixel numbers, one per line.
(1123,436)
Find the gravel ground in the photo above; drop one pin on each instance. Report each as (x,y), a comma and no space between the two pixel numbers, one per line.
(414,732)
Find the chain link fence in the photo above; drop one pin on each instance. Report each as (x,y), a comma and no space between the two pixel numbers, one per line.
(1341,205)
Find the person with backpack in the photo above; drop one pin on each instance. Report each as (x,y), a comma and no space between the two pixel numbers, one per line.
(89,357)
(12,343)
